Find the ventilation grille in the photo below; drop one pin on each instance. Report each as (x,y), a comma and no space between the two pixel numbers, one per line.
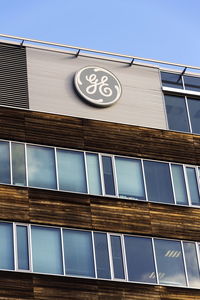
(13,76)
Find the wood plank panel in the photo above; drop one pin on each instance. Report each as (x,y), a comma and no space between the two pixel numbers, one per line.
(59,208)
(14,203)
(18,286)
(98,213)
(77,133)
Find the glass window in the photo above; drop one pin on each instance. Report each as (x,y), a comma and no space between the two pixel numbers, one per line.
(179,184)
(4,162)
(118,266)
(102,256)
(194,110)
(191,264)
(139,257)
(41,167)
(171,80)
(46,250)
(192,83)
(129,178)
(108,175)
(71,171)
(177,113)
(93,171)
(6,246)
(22,247)
(170,262)
(78,253)
(18,164)
(158,181)
(193,187)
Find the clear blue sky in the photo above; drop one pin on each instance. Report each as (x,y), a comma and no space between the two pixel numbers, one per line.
(160,29)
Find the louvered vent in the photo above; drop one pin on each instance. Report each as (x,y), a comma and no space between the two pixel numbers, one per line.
(13,76)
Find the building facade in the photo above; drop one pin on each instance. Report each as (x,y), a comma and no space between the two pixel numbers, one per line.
(99,176)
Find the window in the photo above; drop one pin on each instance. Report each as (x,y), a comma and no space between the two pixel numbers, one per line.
(78,253)
(93,171)
(129,178)
(46,250)
(4,162)
(140,262)
(192,264)
(102,255)
(18,164)
(183,112)
(41,167)
(158,181)
(22,247)
(117,257)
(179,184)
(6,246)
(108,175)
(179,81)
(71,171)
(170,262)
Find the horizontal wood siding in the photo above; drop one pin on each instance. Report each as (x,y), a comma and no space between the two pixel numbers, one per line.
(44,287)
(98,213)
(77,133)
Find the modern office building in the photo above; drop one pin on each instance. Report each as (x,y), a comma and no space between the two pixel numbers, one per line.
(99,175)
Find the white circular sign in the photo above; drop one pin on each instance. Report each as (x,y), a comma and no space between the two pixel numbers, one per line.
(98,86)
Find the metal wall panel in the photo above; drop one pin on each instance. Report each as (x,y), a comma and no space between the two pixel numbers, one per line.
(13,76)
(50,78)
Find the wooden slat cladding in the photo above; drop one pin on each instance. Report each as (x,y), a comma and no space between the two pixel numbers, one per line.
(71,210)
(45,287)
(77,133)
(13,76)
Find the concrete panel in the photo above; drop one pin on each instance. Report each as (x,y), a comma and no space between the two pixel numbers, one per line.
(50,79)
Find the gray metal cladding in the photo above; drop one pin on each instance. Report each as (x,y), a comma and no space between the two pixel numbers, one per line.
(13,76)
(51,77)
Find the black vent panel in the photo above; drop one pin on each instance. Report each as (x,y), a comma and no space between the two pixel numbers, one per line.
(13,76)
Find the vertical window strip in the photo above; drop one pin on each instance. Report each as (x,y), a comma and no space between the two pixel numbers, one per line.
(11,164)
(184,263)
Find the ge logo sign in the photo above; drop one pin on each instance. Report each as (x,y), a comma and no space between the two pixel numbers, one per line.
(97,86)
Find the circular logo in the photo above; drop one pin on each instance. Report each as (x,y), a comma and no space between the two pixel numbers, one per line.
(98,86)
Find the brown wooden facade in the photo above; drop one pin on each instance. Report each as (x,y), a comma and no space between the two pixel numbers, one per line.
(37,206)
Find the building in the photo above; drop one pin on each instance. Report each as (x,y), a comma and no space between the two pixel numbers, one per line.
(100,190)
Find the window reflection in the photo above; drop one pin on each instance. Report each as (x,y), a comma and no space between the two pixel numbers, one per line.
(193,186)
(22,247)
(41,167)
(6,246)
(4,162)
(117,257)
(158,181)
(108,175)
(71,171)
(177,113)
(94,178)
(129,178)
(140,262)
(170,262)
(179,184)
(192,264)
(171,80)
(192,83)
(46,250)
(102,255)
(18,164)
(194,111)
(78,253)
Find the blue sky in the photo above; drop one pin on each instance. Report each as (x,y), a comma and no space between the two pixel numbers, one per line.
(160,29)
